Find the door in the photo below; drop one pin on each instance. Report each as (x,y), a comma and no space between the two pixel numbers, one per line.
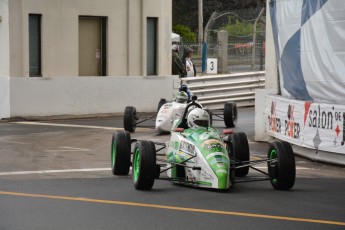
(90,46)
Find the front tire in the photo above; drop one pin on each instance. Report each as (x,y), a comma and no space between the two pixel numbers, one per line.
(144,165)
(230,114)
(120,153)
(282,171)
(239,150)
(130,119)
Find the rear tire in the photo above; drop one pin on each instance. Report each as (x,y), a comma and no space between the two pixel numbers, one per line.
(144,165)
(239,150)
(130,118)
(230,114)
(120,153)
(282,173)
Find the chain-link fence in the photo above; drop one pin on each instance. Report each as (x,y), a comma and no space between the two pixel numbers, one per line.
(246,41)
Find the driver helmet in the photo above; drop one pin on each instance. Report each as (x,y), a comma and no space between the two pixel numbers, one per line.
(181,97)
(198,118)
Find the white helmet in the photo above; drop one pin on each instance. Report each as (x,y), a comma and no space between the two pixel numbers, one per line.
(198,118)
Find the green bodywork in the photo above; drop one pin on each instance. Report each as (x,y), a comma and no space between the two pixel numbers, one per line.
(209,142)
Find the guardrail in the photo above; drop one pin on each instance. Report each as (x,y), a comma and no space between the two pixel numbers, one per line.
(214,91)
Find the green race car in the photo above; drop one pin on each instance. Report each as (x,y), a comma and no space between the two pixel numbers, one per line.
(198,155)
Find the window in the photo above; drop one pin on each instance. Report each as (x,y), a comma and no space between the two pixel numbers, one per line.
(151,46)
(35,45)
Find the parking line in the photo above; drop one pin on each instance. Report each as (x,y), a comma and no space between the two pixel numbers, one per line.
(81,199)
(75,126)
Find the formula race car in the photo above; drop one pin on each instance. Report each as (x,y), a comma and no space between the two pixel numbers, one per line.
(198,155)
(167,112)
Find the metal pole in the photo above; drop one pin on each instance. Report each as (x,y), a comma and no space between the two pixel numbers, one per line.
(201,33)
(254,38)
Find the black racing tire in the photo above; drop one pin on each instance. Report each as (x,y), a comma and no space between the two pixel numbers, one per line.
(130,119)
(144,165)
(161,103)
(120,153)
(210,114)
(239,150)
(282,172)
(230,114)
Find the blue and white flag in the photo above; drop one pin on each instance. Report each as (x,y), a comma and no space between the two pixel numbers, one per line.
(309,37)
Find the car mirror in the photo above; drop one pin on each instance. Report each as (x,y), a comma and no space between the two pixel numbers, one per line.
(228,131)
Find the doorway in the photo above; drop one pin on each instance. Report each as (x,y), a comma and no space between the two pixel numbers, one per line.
(92,46)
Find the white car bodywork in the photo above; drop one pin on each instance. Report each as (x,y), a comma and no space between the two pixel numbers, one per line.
(169,112)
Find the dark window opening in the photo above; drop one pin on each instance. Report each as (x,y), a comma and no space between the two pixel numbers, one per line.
(35,45)
(151,46)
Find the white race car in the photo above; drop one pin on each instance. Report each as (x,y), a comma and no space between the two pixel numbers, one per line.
(167,112)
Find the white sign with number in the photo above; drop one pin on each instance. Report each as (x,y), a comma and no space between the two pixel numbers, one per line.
(212,65)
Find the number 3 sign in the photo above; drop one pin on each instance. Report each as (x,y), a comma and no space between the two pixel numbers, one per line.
(212,65)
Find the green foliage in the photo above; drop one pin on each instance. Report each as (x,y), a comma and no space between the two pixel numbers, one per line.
(186,33)
(241,28)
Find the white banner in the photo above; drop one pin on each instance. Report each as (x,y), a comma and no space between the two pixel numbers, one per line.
(313,125)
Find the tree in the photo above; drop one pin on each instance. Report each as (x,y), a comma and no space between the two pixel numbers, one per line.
(187,34)
(186,12)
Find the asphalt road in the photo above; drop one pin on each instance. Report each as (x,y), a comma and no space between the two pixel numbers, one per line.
(56,175)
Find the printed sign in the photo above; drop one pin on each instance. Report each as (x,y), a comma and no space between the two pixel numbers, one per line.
(308,124)
(212,65)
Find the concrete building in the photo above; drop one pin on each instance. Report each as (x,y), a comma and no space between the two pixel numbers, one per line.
(84,56)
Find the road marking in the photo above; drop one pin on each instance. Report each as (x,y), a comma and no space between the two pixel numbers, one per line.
(115,202)
(68,149)
(53,171)
(76,126)
(89,170)
(15,142)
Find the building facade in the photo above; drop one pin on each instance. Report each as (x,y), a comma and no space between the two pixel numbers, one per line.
(83,56)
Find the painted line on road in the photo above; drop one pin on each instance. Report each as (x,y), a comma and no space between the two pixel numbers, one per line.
(75,126)
(68,149)
(134,204)
(88,170)
(14,142)
(53,171)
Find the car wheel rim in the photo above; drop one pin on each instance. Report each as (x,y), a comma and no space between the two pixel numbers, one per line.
(136,164)
(113,155)
(234,114)
(273,166)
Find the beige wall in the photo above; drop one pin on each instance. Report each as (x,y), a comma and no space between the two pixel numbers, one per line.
(4,39)
(60,90)
(126,44)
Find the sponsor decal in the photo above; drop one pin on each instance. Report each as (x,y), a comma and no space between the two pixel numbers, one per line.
(219,160)
(207,176)
(174,144)
(204,136)
(216,154)
(221,171)
(209,142)
(314,125)
(187,148)
(221,165)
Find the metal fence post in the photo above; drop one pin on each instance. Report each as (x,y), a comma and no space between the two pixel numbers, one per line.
(204,56)
(222,51)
